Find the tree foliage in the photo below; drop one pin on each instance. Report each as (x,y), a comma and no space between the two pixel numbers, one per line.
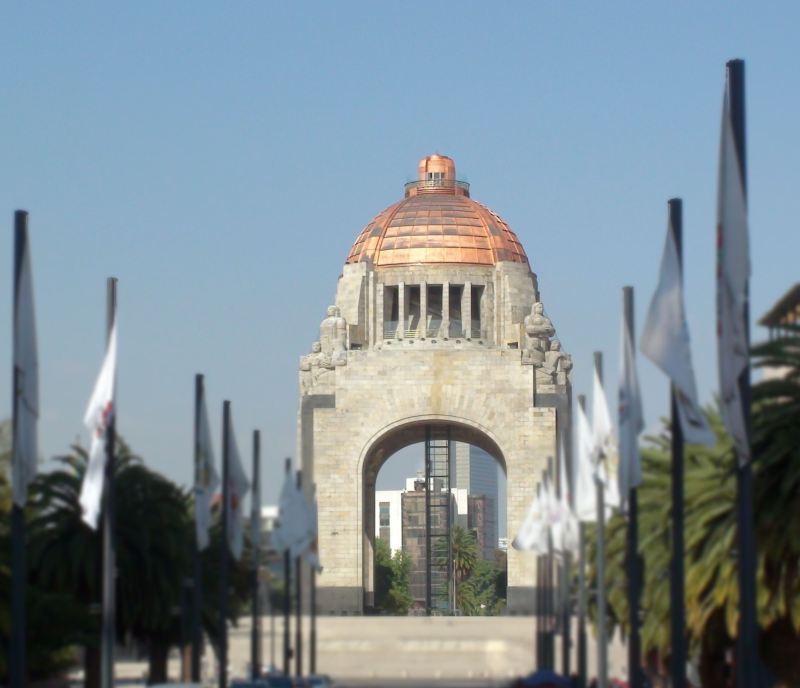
(392,580)
(712,588)
(153,544)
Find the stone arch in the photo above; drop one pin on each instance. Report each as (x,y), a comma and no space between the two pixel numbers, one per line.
(391,439)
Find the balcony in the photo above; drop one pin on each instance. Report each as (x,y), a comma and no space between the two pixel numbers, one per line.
(390,328)
(434,330)
(437,186)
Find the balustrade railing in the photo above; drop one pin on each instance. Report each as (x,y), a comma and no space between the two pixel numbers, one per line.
(435,328)
(456,329)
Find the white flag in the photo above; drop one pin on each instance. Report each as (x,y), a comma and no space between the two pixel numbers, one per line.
(99,416)
(26,373)
(552,511)
(238,487)
(206,479)
(585,489)
(631,421)
(569,524)
(604,444)
(295,531)
(665,341)
(532,535)
(733,272)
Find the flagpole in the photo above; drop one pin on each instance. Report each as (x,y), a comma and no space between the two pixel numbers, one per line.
(602,649)
(287,600)
(583,670)
(548,587)
(748,662)
(17,664)
(298,638)
(566,564)
(538,600)
(633,562)
(109,558)
(272,666)
(224,553)
(312,637)
(255,639)
(678,653)
(197,596)
(19,576)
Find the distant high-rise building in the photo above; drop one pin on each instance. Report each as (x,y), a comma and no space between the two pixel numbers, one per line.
(476,472)
(482,515)
(415,540)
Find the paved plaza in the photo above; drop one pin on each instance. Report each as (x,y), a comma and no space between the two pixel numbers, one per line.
(362,651)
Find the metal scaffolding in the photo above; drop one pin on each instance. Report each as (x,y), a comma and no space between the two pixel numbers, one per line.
(437,521)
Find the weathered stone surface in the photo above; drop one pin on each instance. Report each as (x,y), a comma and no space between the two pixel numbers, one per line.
(408,346)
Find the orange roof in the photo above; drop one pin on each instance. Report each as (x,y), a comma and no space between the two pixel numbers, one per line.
(437,222)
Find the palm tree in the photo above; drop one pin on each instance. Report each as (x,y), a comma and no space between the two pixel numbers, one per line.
(53,619)
(152,540)
(464,551)
(712,590)
(776,447)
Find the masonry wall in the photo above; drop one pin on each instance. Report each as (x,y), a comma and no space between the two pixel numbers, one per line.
(357,408)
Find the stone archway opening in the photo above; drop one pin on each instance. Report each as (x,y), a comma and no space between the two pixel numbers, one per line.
(429,486)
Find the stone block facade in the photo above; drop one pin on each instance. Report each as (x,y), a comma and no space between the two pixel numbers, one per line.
(427,344)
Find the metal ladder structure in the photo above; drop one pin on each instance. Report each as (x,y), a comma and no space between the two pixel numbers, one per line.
(439,568)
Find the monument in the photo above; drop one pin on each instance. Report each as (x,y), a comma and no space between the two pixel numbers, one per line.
(438,334)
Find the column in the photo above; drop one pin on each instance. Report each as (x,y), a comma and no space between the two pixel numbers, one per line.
(380,316)
(423,309)
(466,309)
(369,327)
(445,310)
(401,310)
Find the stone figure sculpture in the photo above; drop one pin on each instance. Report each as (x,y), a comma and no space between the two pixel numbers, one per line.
(327,353)
(310,360)
(538,331)
(313,366)
(557,363)
(333,337)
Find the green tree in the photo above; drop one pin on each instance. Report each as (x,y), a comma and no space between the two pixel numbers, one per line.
(51,626)
(712,593)
(776,448)
(399,593)
(392,580)
(152,532)
(153,555)
(478,592)
(464,551)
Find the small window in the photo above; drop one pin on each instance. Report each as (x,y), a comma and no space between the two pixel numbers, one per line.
(384,514)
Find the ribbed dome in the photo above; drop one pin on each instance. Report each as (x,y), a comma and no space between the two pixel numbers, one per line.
(437,222)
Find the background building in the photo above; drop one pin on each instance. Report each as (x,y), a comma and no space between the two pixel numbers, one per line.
(785,311)
(415,543)
(389,518)
(483,522)
(476,472)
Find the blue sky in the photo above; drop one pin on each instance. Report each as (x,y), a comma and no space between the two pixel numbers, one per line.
(220,160)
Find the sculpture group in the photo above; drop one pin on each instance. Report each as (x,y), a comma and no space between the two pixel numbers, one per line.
(329,352)
(542,350)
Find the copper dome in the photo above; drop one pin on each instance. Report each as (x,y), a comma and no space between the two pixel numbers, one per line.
(437,222)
